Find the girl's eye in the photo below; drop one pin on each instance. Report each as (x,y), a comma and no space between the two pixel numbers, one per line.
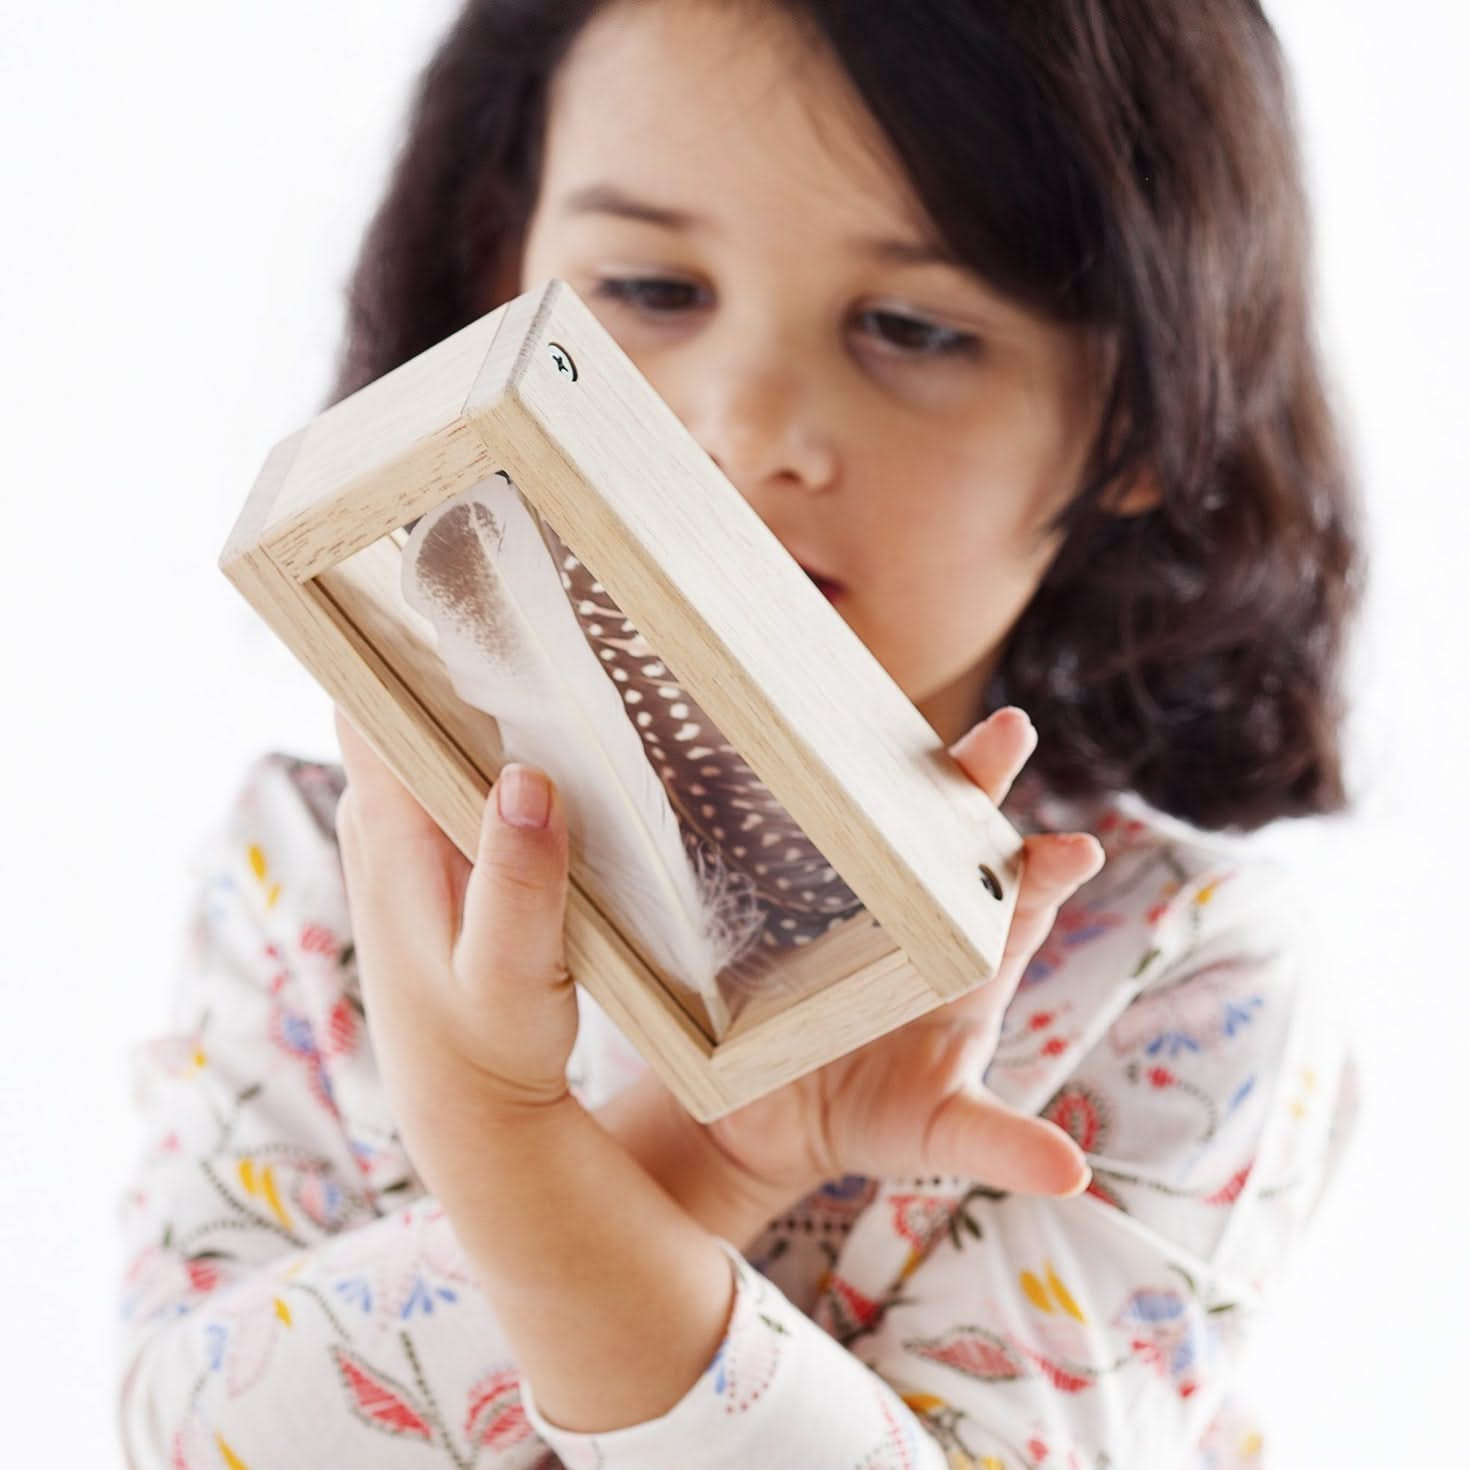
(660,296)
(918,338)
(649,293)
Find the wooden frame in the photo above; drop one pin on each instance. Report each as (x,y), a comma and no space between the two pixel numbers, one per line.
(540,391)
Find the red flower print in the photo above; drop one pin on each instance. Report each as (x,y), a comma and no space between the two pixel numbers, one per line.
(1125,828)
(318,939)
(973,1351)
(378,1401)
(1062,1378)
(341,1035)
(1230,1190)
(1082,1113)
(917,1216)
(204,1274)
(1159,1076)
(496,1418)
(843,1310)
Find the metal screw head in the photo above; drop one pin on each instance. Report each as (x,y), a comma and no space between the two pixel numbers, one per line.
(563,360)
(991,882)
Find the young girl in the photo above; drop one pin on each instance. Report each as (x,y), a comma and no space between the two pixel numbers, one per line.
(998,315)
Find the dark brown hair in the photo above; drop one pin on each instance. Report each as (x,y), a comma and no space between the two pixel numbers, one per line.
(1129,165)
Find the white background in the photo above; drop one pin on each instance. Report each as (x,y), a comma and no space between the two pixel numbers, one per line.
(185,186)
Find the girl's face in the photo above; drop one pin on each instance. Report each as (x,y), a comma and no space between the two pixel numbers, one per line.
(716,192)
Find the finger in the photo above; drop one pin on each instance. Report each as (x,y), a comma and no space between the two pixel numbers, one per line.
(404,876)
(977,1136)
(385,804)
(993,752)
(515,901)
(1056,864)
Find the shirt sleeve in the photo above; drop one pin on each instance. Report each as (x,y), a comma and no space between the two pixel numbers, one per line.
(290,1294)
(778,1391)
(966,1327)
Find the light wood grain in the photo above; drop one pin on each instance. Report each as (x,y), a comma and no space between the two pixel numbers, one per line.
(743,629)
(317,551)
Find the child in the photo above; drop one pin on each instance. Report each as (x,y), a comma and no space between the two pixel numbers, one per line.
(997,313)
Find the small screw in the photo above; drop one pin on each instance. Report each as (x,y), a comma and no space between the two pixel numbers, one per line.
(562,358)
(991,882)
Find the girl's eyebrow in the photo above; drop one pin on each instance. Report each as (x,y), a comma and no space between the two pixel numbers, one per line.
(609,199)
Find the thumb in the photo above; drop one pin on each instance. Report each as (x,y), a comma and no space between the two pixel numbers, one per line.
(976,1135)
(515,900)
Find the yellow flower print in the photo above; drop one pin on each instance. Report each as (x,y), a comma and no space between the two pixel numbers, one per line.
(1206,893)
(1299,1105)
(923,1403)
(1043,1296)
(261,1184)
(260,868)
(231,1459)
(1036,1291)
(1063,1295)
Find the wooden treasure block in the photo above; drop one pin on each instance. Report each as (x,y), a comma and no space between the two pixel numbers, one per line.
(538,393)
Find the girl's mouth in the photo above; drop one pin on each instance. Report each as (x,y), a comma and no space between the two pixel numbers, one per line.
(825,585)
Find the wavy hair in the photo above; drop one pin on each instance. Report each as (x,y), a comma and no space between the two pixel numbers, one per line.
(1126,165)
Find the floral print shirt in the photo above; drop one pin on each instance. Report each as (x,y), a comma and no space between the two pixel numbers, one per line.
(293,1297)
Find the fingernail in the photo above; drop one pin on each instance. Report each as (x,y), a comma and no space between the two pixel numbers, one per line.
(523,796)
(1081,1184)
(990,719)
(1028,729)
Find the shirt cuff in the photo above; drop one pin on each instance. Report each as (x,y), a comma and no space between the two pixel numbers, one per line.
(778,1390)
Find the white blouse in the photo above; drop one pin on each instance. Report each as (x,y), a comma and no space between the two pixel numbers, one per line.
(293,1297)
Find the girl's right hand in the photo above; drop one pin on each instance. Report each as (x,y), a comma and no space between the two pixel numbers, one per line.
(911,1102)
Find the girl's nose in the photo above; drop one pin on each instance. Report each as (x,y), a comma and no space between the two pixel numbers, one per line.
(761,424)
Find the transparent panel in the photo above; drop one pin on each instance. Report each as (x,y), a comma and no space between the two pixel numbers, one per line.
(681,843)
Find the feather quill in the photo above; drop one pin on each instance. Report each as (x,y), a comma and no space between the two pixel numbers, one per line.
(480,569)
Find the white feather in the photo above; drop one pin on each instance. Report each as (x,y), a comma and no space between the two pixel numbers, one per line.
(478,568)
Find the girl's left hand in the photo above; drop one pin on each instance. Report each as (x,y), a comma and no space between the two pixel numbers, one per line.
(472,1008)
(474,1012)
